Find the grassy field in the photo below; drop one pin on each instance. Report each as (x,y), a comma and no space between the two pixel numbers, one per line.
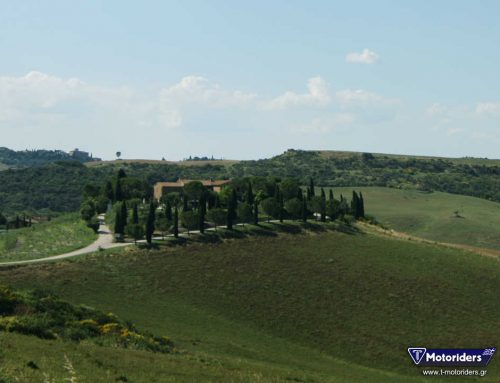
(316,307)
(63,234)
(432,215)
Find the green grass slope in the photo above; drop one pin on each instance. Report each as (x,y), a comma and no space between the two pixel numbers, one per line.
(330,307)
(60,235)
(432,215)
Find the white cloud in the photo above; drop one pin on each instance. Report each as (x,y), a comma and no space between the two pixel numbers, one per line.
(361,97)
(325,124)
(436,109)
(317,95)
(197,89)
(365,57)
(488,108)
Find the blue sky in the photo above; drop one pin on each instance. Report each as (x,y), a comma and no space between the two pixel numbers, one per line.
(250,79)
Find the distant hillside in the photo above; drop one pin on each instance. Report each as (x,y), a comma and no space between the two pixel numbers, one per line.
(58,186)
(24,158)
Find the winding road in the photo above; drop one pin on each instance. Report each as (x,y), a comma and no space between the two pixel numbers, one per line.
(104,241)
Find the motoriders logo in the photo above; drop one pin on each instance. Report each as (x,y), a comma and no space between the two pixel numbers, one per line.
(422,356)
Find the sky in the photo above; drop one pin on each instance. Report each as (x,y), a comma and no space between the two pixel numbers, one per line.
(249,80)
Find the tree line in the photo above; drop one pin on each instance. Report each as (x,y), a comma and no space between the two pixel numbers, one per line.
(247,200)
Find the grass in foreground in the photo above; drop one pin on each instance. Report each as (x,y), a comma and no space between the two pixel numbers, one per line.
(311,307)
(435,216)
(60,235)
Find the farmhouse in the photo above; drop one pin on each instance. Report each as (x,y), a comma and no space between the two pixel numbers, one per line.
(168,187)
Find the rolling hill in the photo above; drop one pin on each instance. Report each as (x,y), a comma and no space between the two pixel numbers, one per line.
(317,307)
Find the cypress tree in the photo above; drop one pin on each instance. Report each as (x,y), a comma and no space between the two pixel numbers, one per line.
(118,222)
(121,173)
(361,206)
(355,205)
(311,187)
(108,191)
(168,211)
(176,222)
(201,213)
(330,197)
(250,196)
(118,190)
(150,223)
(124,213)
(300,196)
(304,210)
(308,194)
(323,206)
(184,203)
(255,212)
(280,204)
(135,215)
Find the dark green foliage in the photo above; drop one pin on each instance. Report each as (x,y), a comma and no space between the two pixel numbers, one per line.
(3,219)
(271,207)
(250,196)
(163,224)
(202,210)
(231,208)
(294,208)
(168,210)
(118,190)
(190,220)
(135,231)
(330,197)
(26,158)
(175,228)
(119,226)
(245,214)
(45,316)
(322,210)
(312,192)
(256,212)
(108,191)
(135,214)
(87,210)
(304,211)
(194,190)
(124,213)
(150,222)
(217,216)
(281,208)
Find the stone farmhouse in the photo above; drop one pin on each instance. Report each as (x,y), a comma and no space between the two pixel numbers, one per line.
(161,188)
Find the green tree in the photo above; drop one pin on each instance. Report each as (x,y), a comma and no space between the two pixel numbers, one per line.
(271,207)
(289,188)
(135,214)
(361,205)
(281,208)
(135,231)
(108,192)
(332,209)
(190,220)
(245,213)
(118,190)
(150,223)
(217,216)
(124,213)
(304,211)
(194,190)
(312,192)
(256,212)
(250,196)
(202,211)
(175,227)
(323,206)
(87,210)
(3,219)
(163,225)
(119,227)
(231,209)
(330,197)
(168,210)
(294,208)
